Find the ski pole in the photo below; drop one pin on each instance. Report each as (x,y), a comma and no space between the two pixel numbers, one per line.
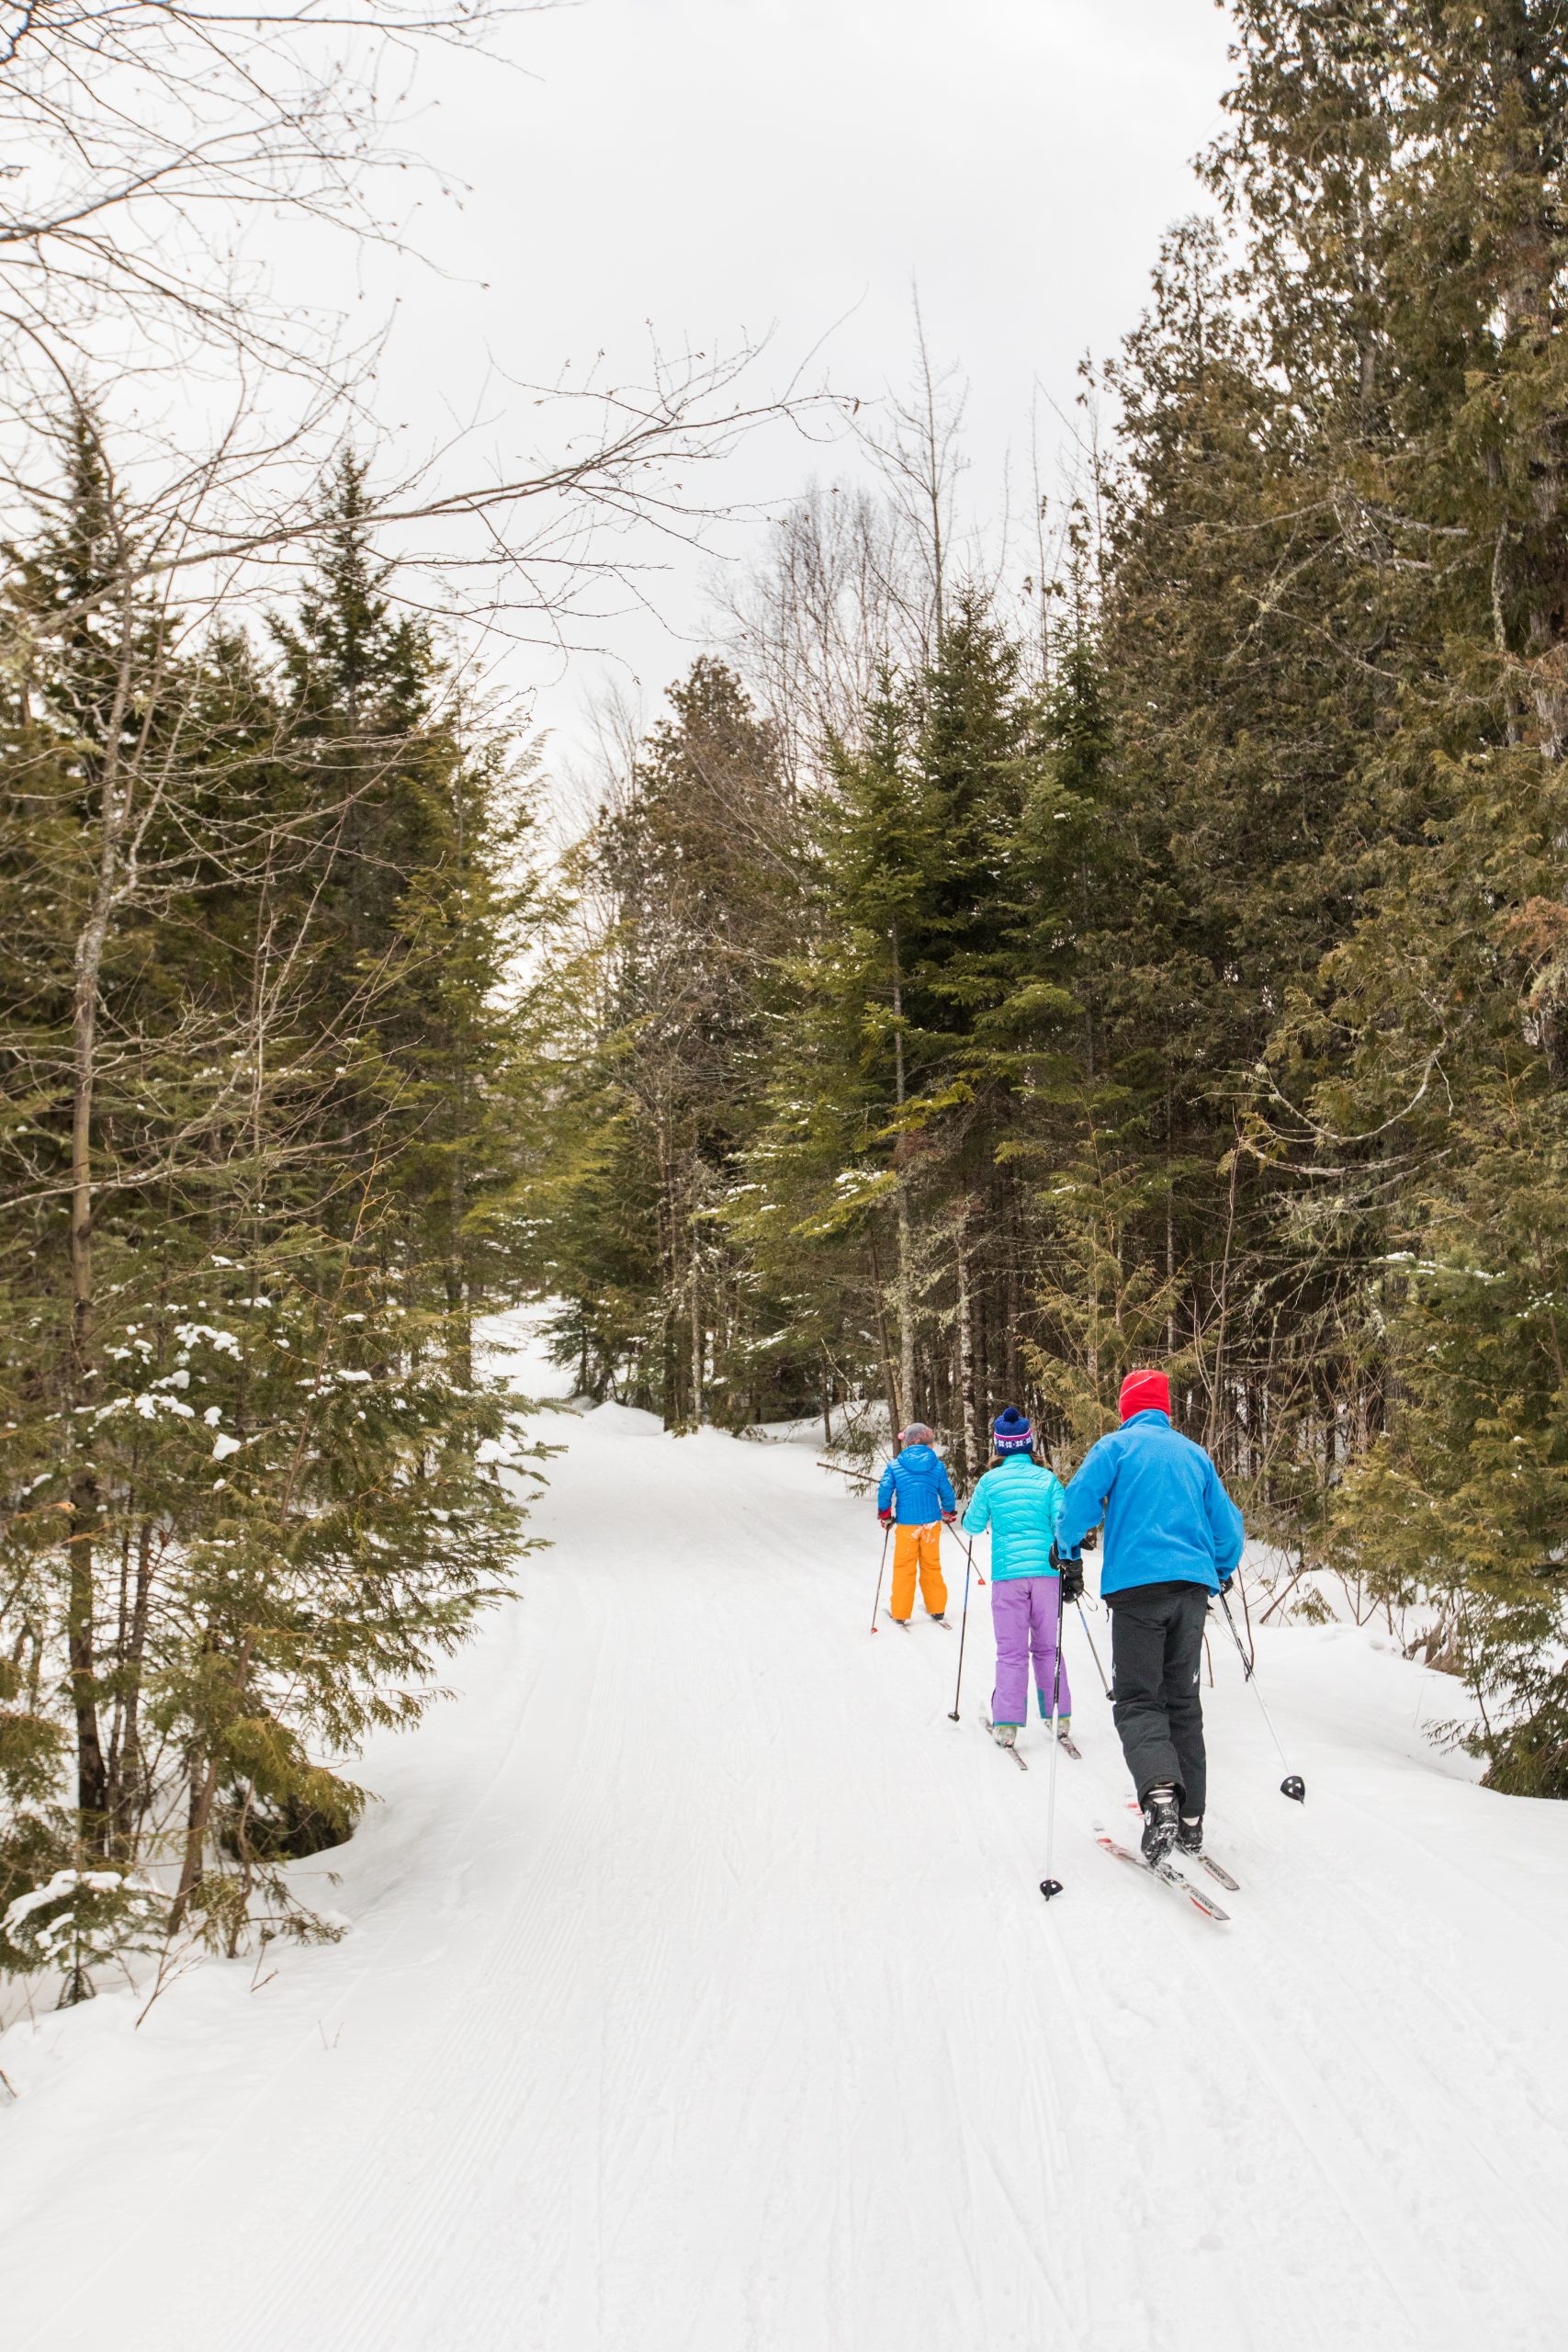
(1292,1785)
(963,1629)
(968,1556)
(882,1565)
(1094,1654)
(1049,1886)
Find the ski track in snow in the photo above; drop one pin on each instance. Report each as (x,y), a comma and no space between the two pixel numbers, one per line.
(700,1999)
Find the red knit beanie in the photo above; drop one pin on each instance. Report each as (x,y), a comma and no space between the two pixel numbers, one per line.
(1145,1391)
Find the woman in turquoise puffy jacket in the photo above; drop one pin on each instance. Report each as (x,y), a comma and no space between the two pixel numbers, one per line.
(1020,1500)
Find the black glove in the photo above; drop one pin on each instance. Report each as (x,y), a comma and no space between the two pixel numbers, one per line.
(1071,1573)
(1090,1540)
(1227,1582)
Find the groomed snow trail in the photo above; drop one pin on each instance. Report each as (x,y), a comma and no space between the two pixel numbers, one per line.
(700,1999)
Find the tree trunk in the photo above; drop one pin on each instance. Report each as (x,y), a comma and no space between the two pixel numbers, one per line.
(110,884)
(113,1761)
(968,1423)
(698,1382)
(889,1377)
(462,1335)
(203,1792)
(905,1309)
(1530,316)
(203,1789)
(906,1273)
(92,1780)
(669,1402)
(457,1204)
(130,1791)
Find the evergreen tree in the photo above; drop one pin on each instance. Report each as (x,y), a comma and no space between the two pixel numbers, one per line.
(697,866)
(254,976)
(1405,166)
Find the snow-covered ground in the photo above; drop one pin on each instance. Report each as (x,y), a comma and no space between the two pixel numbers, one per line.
(700,1999)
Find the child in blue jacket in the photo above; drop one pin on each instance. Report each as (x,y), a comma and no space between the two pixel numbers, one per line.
(1020,1499)
(916,1494)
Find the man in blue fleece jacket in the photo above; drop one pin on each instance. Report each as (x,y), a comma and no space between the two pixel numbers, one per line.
(1172,1537)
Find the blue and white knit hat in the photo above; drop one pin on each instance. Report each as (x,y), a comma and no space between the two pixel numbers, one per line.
(1011,1431)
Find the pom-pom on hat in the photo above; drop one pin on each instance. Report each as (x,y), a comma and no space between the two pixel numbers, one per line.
(1145,1391)
(1010,1432)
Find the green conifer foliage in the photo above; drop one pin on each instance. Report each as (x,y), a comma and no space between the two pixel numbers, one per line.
(696,865)
(1402,169)
(258,1150)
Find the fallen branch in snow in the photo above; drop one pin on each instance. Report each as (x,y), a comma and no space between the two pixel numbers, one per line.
(1282,1596)
(859,1478)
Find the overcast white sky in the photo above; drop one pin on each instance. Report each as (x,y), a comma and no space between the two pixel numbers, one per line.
(725,167)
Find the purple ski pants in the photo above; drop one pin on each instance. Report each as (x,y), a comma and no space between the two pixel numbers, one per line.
(1023,1611)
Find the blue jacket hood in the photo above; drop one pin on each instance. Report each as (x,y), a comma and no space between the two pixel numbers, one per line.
(916,1483)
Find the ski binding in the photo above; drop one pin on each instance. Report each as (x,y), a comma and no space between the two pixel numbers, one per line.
(1021,1761)
(1166,1872)
(1215,1870)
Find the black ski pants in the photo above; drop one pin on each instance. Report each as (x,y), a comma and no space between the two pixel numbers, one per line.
(1157,1650)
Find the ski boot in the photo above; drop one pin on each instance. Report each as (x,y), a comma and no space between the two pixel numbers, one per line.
(1189,1836)
(1005,1734)
(1161,1823)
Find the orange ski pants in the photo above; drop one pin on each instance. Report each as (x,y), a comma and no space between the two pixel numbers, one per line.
(916,1548)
